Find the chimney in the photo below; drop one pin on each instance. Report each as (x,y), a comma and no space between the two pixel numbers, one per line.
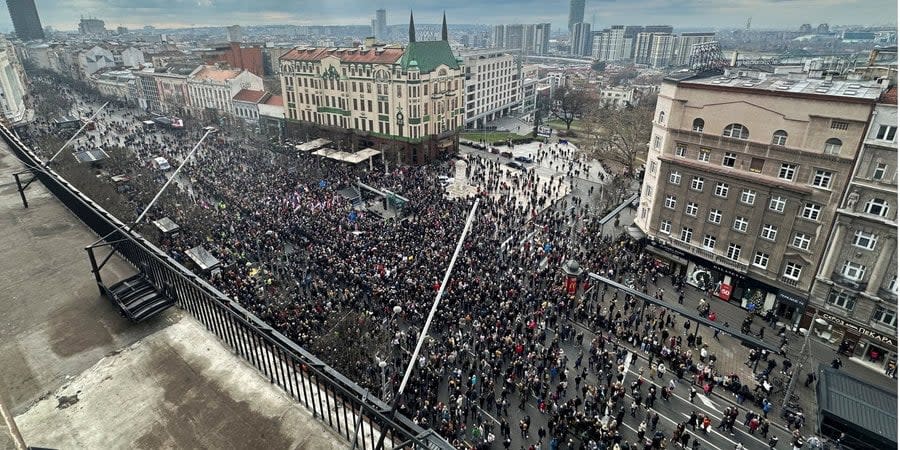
(369,42)
(734,58)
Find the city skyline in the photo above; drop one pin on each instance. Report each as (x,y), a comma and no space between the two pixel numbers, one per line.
(786,14)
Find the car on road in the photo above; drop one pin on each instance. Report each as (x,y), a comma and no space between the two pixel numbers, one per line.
(506,154)
(160,163)
(515,165)
(524,159)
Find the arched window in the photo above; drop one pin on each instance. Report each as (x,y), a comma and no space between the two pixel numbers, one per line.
(833,146)
(662,117)
(698,125)
(736,131)
(779,137)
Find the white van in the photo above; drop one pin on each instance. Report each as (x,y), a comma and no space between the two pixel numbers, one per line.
(160,163)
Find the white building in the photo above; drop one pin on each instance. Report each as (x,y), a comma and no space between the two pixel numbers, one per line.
(12,87)
(132,57)
(617,97)
(609,44)
(493,85)
(681,53)
(210,87)
(94,59)
(246,104)
(581,39)
(661,50)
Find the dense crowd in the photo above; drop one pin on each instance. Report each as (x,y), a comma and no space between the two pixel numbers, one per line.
(506,333)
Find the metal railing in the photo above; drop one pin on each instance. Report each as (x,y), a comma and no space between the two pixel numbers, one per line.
(337,401)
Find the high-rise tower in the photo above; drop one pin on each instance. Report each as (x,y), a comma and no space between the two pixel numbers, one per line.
(25,19)
(576,13)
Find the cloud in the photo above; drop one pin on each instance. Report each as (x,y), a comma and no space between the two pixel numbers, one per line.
(63,14)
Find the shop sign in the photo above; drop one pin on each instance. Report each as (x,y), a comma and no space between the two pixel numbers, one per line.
(571,285)
(862,331)
(787,297)
(725,291)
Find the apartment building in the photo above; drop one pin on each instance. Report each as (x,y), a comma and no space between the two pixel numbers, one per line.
(493,85)
(406,100)
(743,180)
(855,291)
(214,87)
(12,86)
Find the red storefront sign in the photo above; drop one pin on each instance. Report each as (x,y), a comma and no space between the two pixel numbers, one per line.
(725,291)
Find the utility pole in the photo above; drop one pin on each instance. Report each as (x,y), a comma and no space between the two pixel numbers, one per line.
(804,358)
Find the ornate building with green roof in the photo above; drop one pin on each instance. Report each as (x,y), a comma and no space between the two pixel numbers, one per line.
(407,102)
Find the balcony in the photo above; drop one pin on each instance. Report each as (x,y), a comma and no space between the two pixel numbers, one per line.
(849,283)
(789,281)
(736,265)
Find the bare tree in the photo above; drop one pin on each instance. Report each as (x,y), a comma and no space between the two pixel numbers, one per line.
(569,103)
(619,135)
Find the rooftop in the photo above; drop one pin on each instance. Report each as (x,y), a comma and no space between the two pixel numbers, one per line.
(869,90)
(275,100)
(889,96)
(377,55)
(249,95)
(75,374)
(212,73)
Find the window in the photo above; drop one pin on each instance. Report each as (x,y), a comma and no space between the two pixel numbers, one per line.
(841,299)
(792,271)
(721,189)
(880,170)
(680,150)
(853,270)
(811,211)
(756,165)
(697,183)
(703,156)
(691,209)
(864,240)
(885,316)
(729,159)
(736,131)
(740,224)
(734,252)
(779,137)
(709,242)
(833,146)
(652,166)
(675,177)
(687,234)
(886,133)
(822,179)
(698,125)
(801,241)
(748,196)
(665,226)
(839,125)
(761,260)
(670,202)
(777,204)
(877,206)
(648,191)
(662,117)
(769,232)
(715,216)
(656,142)
(787,171)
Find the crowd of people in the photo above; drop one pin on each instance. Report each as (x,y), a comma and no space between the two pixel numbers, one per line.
(296,252)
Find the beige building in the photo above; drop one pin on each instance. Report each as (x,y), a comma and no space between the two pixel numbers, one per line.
(743,179)
(855,292)
(493,85)
(406,102)
(212,88)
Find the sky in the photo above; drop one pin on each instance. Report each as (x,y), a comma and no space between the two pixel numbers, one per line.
(787,14)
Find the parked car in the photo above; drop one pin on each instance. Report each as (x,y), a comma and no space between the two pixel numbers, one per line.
(495,150)
(524,159)
(160,163)
(506,154)
(515,165)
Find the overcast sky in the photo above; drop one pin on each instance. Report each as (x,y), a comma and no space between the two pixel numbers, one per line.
(64,14)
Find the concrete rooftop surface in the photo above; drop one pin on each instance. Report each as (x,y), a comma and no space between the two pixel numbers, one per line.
(75,374)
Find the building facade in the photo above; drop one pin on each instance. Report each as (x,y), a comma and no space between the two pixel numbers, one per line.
(581,39)
(212,88)
(609,44)
(681,53)
(576,13)
(12,86)
(246,104)
(531,39)
(493,86)
(407,102)
(25,19)
(855,291)
(744,177)
(94,59)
